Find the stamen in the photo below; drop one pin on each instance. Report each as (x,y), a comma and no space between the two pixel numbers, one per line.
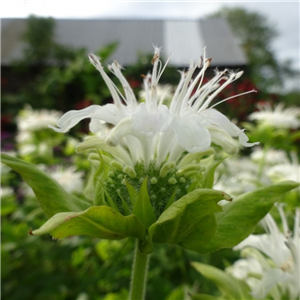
(238,95)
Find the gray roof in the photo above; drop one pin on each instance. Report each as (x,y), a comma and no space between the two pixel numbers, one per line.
(184,39)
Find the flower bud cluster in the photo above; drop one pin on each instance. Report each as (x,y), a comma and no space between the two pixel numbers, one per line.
(165,183)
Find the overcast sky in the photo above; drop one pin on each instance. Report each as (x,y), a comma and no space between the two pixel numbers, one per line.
(284,15)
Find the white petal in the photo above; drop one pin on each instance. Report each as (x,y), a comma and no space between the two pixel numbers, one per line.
(95,142)
(97,125)
(191,134)
(165,144)
(218,119)
(223,139)
(149,124)
(244,139)
(73,117)
(269,279)
(108,113)
(271,245)
(118,132)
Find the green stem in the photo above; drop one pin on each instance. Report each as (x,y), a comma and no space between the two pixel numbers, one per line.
(263,161)
(139,274)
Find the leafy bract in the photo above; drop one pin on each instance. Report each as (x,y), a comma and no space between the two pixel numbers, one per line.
(189,221)
(143,208)
(97,221)
(240,217)
(208,177)
(230,287)
(50,195)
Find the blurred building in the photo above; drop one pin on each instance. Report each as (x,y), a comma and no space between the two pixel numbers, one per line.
(185,39)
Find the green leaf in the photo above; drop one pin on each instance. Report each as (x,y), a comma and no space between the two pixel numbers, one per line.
(171,199)
(176,294)
(97,221)
(51,196)
(143,208)
(230,287)
(241,216)
(204,297)
(8,205)
(189,221)
(133,194)
(209,175)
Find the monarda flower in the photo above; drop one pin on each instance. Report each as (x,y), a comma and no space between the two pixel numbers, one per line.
(277,116)
(279,269)
(152,168)
(152,171)
(153,139)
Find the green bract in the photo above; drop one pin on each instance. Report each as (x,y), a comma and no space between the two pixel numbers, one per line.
(127,204)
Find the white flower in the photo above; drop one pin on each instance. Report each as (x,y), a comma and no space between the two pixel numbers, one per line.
(23,136)
(238,175)
(32,148)
(281,263)
(245,266)
(6,191)
(269,156)
(278,117)
(153,131)
(30,120)
(68,177)
(285,171)
(164,93)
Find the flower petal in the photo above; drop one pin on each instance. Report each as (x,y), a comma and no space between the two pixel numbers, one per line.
(269,279)
(122,129)
(216,118)
(73,117)
(108,113)
(191,134)
(149,124)
(223,139)
(244,139)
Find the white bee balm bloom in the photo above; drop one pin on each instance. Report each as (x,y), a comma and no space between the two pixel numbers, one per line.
(277,116)
(153,131)
(280,267)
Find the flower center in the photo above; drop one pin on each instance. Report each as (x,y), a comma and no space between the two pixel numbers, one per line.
(163,184)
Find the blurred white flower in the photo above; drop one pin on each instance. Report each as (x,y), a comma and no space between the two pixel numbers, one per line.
(245,266)
(278,117)
(30,120)
(29,148)
(238,175)
(279,257)
(269,156)
(289,170)
(23,136)
(68,177)
(164,93)
(6,191)
(153,131)
(284,172)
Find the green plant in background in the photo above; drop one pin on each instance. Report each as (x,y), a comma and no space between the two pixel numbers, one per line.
(152,173)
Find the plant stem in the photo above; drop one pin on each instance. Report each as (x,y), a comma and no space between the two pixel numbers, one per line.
(139,274)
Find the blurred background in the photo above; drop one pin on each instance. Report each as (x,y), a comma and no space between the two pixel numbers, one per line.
(45,72)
